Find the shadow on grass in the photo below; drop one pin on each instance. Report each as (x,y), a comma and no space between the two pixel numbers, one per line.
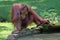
(2,28)
(2,38)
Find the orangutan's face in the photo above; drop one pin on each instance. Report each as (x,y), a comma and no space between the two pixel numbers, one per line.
(24,14)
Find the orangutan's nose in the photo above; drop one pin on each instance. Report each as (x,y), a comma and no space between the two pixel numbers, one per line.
(23,16)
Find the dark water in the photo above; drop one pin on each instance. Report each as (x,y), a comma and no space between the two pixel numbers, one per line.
(52,36)
(49,35)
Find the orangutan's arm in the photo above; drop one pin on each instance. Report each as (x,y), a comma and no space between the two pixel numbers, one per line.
(36,15)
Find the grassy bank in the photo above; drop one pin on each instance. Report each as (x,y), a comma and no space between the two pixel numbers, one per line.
(6,29)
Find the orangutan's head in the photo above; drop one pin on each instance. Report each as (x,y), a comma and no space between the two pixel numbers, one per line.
(24,11)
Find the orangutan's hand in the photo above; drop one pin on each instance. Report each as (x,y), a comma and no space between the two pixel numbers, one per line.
(46,21)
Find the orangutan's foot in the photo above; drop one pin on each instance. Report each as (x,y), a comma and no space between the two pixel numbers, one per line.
(15,32)
(24,30)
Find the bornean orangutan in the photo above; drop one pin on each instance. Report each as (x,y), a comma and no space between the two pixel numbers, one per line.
(22,15)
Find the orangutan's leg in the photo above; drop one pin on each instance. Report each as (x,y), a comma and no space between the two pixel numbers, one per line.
(17,26)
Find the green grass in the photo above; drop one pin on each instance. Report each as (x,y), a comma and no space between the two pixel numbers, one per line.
(7,28)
